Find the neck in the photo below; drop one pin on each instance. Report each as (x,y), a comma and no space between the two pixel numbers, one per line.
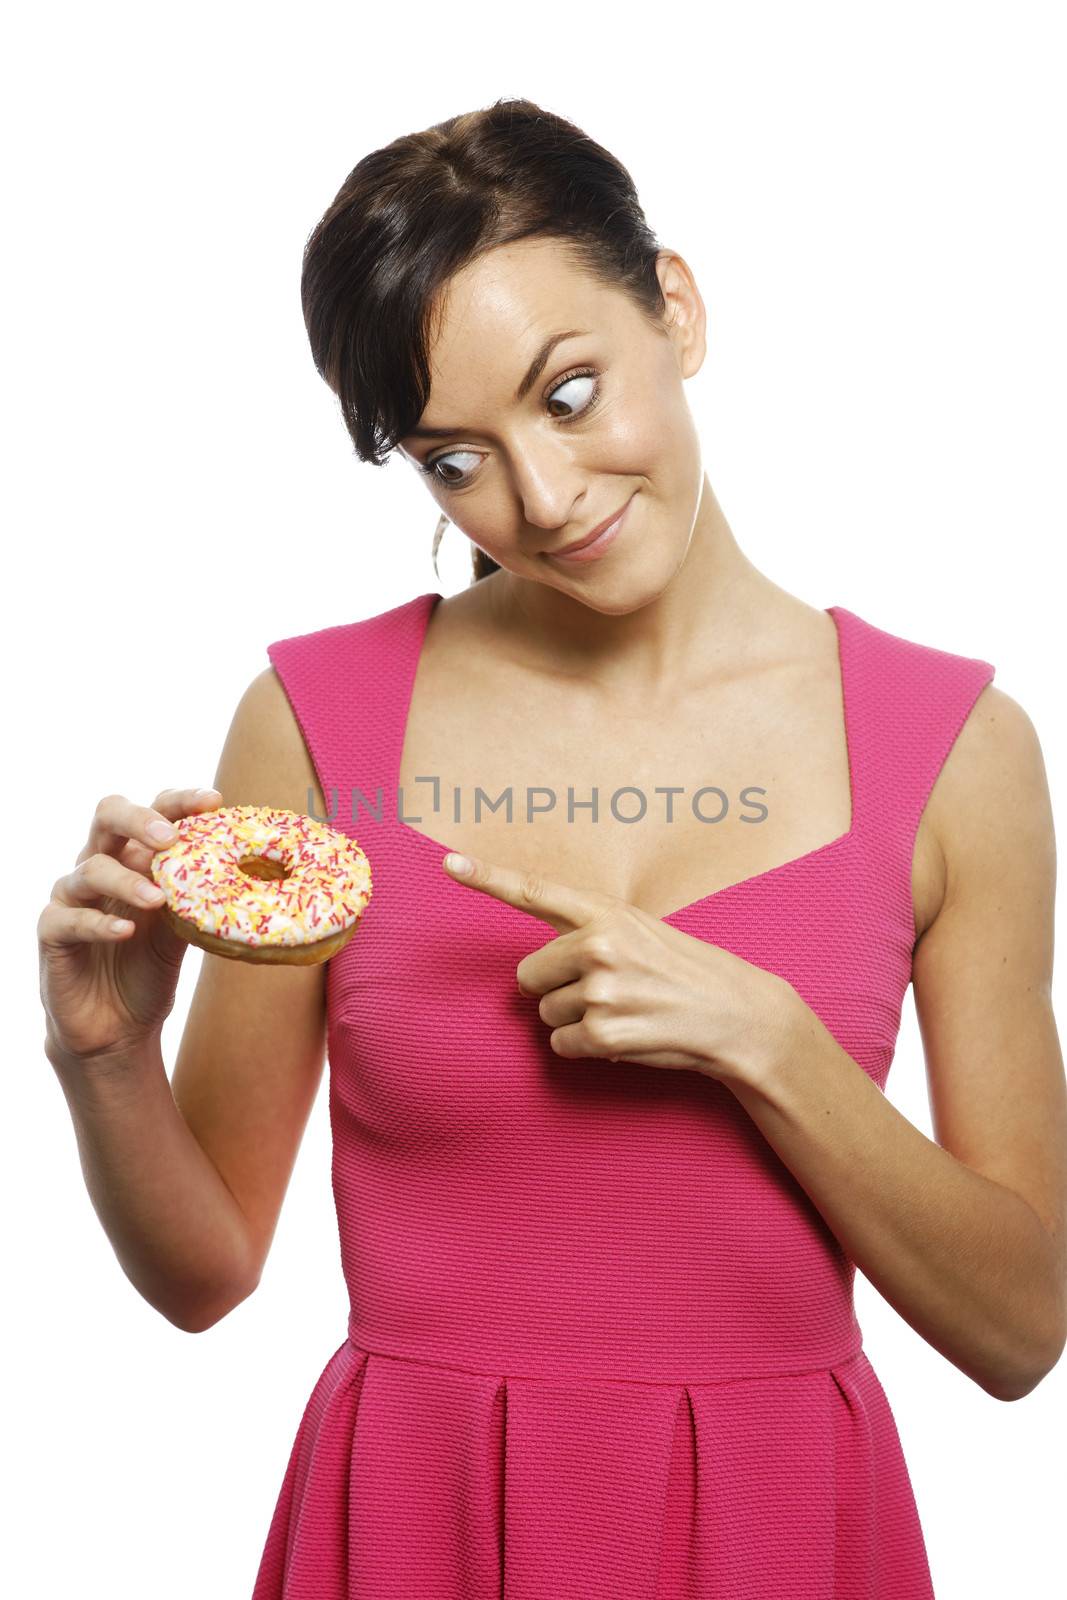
(717,608)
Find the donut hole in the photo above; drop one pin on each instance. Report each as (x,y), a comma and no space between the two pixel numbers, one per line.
(262,867)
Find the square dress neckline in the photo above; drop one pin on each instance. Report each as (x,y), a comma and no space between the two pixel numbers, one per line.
(429,602)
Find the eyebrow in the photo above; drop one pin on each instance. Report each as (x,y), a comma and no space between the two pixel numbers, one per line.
(534,371)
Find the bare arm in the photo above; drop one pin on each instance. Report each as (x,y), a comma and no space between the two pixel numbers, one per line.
(254,1045)
(966,1237)
(188,1176)
(175,1228)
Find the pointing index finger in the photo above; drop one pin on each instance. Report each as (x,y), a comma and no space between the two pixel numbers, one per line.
(558,904)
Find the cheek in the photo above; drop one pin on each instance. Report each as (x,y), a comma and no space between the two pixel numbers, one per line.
(647,432)
(646,421)
(644,436)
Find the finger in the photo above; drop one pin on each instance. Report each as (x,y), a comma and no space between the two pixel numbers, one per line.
(100,875)
(196,801)
(576,954)
(561,961)
(572,1042)
(559,1007)
(577,1039)
(118,819)
(559,905)
(60,925)
(177,803)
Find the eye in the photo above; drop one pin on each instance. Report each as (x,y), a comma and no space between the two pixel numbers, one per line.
(570,381)
(578,378)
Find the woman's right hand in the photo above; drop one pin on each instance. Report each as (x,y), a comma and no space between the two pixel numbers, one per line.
(107,992)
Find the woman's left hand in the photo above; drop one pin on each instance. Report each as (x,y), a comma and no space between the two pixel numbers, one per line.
(621,985)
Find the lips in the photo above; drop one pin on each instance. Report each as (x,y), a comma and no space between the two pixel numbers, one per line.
(591,538)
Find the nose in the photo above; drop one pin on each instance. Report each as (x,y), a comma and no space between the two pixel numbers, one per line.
(549,484)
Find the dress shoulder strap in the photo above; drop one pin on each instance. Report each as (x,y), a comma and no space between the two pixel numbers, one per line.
(348,687)
(907,703)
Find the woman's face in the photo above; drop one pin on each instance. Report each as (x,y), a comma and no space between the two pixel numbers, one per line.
(602,425)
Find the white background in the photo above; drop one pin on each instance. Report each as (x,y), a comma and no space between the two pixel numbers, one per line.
(871,199)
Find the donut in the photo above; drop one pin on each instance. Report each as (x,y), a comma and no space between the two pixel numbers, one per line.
(261,884)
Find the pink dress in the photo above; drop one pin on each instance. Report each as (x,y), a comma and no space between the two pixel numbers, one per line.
(602,1345)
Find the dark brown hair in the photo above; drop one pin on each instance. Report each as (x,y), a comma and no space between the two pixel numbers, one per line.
(411,214)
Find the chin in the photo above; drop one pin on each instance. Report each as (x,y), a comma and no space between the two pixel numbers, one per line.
(620,594)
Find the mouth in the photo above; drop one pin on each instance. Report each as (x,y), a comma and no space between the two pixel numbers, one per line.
(594,544)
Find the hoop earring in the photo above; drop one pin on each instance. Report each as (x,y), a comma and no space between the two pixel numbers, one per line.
(442,524)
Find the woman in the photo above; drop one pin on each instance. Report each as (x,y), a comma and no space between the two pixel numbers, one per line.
(610,1135)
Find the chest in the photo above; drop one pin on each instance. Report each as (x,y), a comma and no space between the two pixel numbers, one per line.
(661,803)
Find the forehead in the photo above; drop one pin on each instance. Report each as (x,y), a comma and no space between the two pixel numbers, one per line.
(517,291)
(496,314)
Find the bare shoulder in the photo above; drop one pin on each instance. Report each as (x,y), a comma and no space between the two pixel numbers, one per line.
(990,810)
(265,760)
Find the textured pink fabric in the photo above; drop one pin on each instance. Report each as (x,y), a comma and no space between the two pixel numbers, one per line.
(602,1345)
